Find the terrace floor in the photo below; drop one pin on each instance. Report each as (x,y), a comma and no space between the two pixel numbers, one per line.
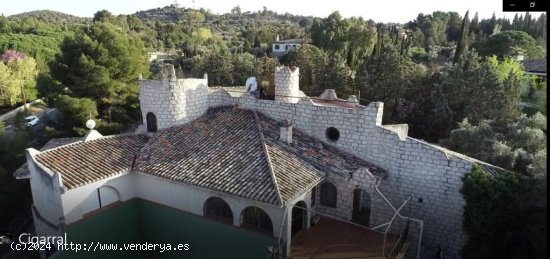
(331,238)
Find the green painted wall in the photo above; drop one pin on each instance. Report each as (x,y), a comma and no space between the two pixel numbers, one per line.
(117,225)
(140,221)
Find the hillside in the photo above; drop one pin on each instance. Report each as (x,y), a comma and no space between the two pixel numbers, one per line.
(51,17)
(235,28)
(175,14)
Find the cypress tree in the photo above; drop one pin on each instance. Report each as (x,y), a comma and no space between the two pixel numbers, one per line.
(462,44)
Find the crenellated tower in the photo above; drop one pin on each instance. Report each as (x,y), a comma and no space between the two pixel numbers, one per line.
(287,88)
(171,101)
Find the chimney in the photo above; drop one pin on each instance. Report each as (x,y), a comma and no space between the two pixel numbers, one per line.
(286,132)
(277,37)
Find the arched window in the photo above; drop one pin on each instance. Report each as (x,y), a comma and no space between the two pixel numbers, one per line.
(328,195)
(218,209)
(256,219)
(151,122)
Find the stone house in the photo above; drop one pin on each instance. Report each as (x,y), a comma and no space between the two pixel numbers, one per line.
(271,166)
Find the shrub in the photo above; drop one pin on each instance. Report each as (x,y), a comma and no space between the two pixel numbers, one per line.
(504,216)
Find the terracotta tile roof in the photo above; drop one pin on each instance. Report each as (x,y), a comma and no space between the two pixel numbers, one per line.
(221,151)
(86,162)
(23,171)
(322,156)
(230,150)
(293,175)
(237,151)
(57,142)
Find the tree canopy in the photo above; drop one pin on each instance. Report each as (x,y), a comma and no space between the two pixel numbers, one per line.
(17,78)
(75,111)
(102,64)
(311,61)
(510,44)
(515,144)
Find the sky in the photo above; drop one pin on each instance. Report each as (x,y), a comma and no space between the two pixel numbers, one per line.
(399,11)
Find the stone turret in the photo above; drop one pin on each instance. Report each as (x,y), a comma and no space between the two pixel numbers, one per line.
(287,88)
(169,72)
(171,101)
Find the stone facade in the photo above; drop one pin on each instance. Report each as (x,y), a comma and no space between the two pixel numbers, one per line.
(428,174)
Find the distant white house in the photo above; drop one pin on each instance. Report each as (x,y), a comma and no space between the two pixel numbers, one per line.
(161,56)
(282,47)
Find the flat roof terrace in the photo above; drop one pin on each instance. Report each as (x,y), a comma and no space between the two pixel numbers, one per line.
(331,238)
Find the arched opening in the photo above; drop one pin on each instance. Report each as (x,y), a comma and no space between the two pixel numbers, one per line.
(328,195)
(217,209)
(151,122)
(107,195)
(332,134)
(361,207)
(299,218)
(256,219)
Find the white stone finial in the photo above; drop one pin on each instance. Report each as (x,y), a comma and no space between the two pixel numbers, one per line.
(353,99)
(329,95)
(90,124)
(92,134)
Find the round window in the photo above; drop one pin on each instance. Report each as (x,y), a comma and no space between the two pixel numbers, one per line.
(332,134)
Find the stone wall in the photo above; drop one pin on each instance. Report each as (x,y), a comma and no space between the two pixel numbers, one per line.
(345,186)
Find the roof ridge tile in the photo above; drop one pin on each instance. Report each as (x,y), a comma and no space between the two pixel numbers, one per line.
(268,158)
